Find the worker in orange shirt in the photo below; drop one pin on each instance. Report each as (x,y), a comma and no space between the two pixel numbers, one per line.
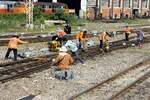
(127,31)
(61,35)
(12,46)
(103,38)
(63,62)
(81,38)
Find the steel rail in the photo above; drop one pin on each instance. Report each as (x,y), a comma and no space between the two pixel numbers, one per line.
(4,42)
(26,72)
(91,52)
(139,80)
(110,79)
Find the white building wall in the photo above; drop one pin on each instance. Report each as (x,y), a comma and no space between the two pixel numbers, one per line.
(54,0)
(83,8)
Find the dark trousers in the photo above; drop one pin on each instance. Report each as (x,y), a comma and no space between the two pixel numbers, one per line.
(101,44)
(77,57)
(80,44)
(140,42)
(126,36)
(8,52)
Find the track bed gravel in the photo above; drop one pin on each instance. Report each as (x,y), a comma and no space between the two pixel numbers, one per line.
(96,70)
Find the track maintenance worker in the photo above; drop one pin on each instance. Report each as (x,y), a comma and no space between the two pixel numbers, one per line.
(81,38)
(67,28)
(63,62)
(12,46)
(54,43)
(140,38)
(127,30)
(103,38)
(61,35)
(74,50)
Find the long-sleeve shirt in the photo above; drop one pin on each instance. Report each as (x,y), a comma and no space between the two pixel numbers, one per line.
(140,35)
(63,61)
(13,42)
(127,30)
(80,36)
(61,33)
(103,36)
(71,45)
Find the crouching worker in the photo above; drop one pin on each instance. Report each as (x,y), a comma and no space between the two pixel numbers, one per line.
(54,44)
(63,62)
(12,46)
(140,38)
(74,51)
(61,35)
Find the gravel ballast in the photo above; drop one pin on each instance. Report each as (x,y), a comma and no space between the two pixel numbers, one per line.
(96,70)
(138,92)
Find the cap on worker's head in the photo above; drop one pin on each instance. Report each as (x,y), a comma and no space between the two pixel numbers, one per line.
(63,49)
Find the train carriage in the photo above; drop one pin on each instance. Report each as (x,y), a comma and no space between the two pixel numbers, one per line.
(49,8)
(17,7)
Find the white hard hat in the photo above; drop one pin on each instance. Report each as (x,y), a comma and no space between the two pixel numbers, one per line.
(63,49)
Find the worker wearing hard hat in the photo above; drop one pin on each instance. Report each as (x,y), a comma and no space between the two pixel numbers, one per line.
(63,62)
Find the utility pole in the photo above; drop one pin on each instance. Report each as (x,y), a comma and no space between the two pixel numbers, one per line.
(141,4)
(149,8)
(29,14)
(96,9)
(122,12)
(112,8)
(132,6)
(99,9)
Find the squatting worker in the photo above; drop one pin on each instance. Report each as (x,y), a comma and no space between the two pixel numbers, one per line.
(12,46)
(63,62)
(60,32)
(140,38)
(127,31)
(61,35)
(63,59)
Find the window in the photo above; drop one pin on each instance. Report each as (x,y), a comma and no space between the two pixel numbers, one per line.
(116,3)
(127,3)
(105,3)
(43,6)
(144,3)
(136,3)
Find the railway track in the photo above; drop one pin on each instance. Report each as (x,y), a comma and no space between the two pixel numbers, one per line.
(39,38)
(9,71)
(12,70)
(4,42)
(131,86)
(117,84)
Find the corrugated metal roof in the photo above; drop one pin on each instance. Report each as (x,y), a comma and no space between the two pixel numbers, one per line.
(47,3)
(7,2)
